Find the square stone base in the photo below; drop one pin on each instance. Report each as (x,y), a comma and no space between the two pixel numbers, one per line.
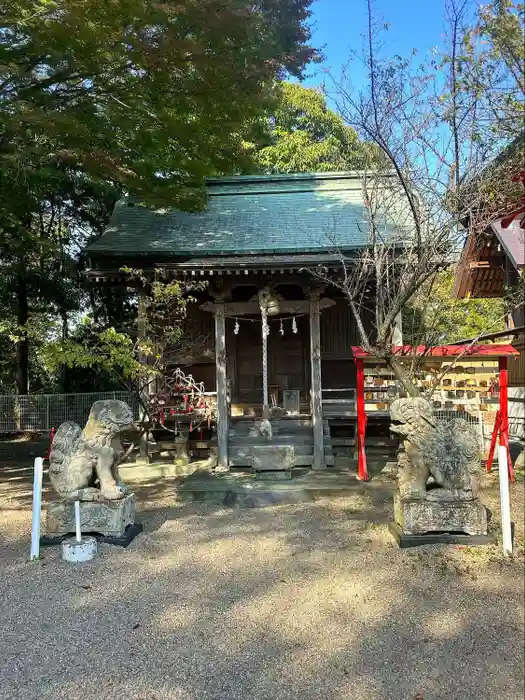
(108,518)
(272,457)
(405,541)
(416,517)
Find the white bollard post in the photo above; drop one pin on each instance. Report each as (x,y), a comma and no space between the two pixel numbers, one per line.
(481,432)
(503,473)
(37,503)
(77,521)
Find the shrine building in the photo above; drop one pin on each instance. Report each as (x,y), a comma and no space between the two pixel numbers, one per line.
(274,340)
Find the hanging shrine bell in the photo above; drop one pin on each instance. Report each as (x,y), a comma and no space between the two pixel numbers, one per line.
(268,303)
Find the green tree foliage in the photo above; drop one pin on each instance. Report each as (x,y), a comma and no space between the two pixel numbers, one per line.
(433,315)
(137,96)
(147,344)
(154,96)
(501,65)
(304,135)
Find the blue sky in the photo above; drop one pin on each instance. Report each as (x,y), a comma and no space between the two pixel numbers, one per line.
(339,25)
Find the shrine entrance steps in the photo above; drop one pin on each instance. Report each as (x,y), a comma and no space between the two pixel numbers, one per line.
(246,490)
(244,437)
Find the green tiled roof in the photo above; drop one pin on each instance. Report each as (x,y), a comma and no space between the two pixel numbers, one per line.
(247,215)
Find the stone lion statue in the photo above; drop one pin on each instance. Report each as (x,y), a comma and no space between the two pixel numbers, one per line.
(83,463)
(448,451)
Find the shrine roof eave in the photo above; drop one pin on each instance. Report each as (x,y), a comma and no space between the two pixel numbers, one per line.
(112,269)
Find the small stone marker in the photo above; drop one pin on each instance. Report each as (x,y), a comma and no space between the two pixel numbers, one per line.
(79,549)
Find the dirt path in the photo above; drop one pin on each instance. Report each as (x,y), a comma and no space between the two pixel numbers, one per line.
(309,602)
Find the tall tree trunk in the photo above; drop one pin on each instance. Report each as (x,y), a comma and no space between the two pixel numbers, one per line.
(396,365)
(64,373)
(22,348)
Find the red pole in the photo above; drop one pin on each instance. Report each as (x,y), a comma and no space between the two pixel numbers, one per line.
(495,433)
(504,411)
(51,437)
(362,471)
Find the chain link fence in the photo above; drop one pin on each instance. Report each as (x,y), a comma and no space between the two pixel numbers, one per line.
(475,418)
(41,412)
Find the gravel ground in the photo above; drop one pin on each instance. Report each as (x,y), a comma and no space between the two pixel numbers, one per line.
(308,602)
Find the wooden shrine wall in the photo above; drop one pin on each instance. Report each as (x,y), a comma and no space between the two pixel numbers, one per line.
(288,354)
(338,334)
(288,365)
(200,333)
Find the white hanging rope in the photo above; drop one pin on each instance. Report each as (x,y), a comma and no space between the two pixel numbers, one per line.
(279,319)
(265,332)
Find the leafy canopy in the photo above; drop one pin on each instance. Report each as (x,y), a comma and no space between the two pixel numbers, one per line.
(133,96)
(154,96)
(433,316)
(303,135)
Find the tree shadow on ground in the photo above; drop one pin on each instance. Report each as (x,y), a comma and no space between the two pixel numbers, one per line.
(299,601)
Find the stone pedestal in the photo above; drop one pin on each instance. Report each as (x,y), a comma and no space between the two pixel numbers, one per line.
(177,450)
(421,517)
(272,457)
(108,518)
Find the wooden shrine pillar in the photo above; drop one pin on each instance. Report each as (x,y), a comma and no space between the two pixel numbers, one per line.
(222,388)
(145,389)
(362,469)
(316,385)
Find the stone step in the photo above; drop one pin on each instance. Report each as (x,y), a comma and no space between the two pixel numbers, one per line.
(300,461)
(253,492)
(246,451)
(233,434)
(299,447)
(276,437)
(290,426)
(241,440)
(380,442)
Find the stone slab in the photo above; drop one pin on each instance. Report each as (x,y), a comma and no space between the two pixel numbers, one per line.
(272,457)
(292,401)
(123,541)
(419,517)
(274,475)
(108,518)
(140,472)
(250,491)
(405,541)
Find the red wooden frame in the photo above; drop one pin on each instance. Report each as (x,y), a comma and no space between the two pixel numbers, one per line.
(447,351)
(362,470)
(501,425)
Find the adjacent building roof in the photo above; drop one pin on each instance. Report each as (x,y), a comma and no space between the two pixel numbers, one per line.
(247,215)
(512,239)
(481,271)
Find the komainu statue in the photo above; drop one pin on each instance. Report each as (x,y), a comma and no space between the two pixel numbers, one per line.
(83,463)
(448,451)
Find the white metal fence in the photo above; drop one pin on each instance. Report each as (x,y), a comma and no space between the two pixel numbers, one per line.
(41,412)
